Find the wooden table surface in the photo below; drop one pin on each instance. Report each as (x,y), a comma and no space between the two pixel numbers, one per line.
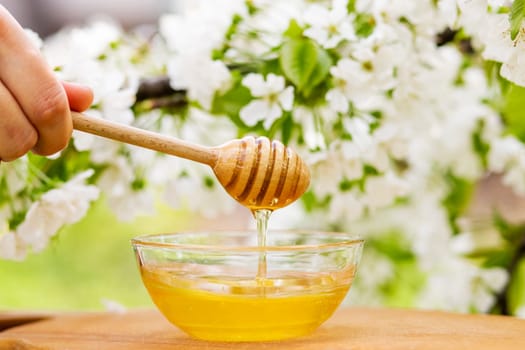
(349,328)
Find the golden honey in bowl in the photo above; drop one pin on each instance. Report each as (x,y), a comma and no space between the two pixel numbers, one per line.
(223,286)
(229,309)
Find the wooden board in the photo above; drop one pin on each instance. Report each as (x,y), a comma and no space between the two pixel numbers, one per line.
(13,319)
(350,328)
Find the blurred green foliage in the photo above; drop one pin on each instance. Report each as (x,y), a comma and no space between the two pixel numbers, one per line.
(91,261)
(516,291)
(513,110)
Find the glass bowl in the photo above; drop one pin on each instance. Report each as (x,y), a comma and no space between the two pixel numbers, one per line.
(220,286)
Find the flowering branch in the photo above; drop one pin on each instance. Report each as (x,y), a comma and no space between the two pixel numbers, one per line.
(156,87)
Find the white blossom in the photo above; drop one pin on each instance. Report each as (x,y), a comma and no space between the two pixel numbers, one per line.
(343,73)
(200,26)
(198,191)
(473,16)
(310,124)
(11,248)
(259,36)
(206,129)
(347,206)
(15,174)
(457,285)
(56,208)
(115,96)
(383,190)
(272,98)
(374,268)
(126,201)
(329,27)
(351,160)
(326,164)
(363,78)
(84,44)
(359,129)
(200,76)
(507,155)
(501,48)
(390,140)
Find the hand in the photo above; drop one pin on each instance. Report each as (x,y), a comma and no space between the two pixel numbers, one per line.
(34,105)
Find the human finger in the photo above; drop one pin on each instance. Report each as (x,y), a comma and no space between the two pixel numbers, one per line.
(32,83)
(17,135)
(80,97)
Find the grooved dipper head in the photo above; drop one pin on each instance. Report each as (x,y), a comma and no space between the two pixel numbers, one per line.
(261,174)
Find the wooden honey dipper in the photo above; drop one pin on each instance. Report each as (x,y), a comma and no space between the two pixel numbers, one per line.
(257,172)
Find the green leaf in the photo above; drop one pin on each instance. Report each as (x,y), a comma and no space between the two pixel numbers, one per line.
(321,70)
(458,198)
(209,182)
(16,219)
(479,144)
(407,279)
(364,25)
(512,233)
(294,30)
(393,245)
(231,102)
(517,14)
(516,291)
(304,63)
(350,7)
(513,111)
(287,128)
(402,289)
(63,168)
(138,184)
(500,258)
(309,201)
(298,59)
(346,185)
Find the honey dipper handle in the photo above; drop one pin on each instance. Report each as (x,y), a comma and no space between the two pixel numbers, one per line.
(143,138)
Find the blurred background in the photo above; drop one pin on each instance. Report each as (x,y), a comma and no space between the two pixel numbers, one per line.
(91,264)
(47,16)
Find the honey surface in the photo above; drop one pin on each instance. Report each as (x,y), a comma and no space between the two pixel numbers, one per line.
(234,309)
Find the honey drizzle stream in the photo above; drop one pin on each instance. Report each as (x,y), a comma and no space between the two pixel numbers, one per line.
(262,216)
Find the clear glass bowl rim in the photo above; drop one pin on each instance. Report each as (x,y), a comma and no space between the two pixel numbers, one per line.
(149,241)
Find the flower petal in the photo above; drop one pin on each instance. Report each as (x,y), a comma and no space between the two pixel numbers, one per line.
(256,84)
(275,83)
(286,98)
(11,248)
(254,111)
(318,34)
(337,100)
(273,113)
